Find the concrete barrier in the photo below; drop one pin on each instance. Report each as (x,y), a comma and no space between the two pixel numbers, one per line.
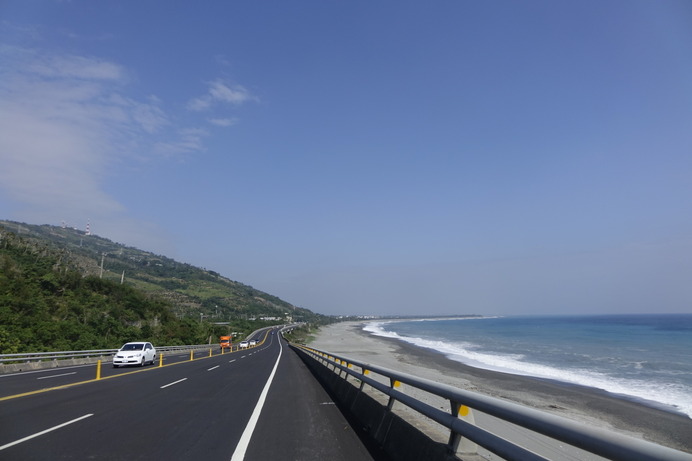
(46,364)
(397,438)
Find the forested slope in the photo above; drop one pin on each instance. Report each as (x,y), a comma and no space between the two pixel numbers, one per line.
(63,290)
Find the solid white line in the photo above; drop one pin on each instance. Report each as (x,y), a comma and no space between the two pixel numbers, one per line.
(47,370)
(174,382)
(213,368)
(55,376)
(44,432)
(244,442)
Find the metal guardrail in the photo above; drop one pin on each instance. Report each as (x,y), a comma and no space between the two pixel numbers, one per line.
(27,357)
(62,355)
(595,440)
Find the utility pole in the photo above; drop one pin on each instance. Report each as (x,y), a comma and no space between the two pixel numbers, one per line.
(103,255)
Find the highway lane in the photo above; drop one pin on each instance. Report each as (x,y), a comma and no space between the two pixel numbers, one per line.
(27,381)
(193,410)
(310,428)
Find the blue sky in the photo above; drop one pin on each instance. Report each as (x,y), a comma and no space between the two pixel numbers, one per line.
(361,157)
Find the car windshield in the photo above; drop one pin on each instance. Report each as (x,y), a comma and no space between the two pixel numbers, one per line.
(132,347)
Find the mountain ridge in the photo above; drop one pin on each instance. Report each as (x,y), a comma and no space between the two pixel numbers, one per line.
(52,260)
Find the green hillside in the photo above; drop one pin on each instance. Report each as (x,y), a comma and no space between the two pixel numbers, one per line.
(61,289)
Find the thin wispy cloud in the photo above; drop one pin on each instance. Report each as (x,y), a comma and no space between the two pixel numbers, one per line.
(148,115)
(189,140)
(79,67)
(66,125)
(220,92)
(223,122)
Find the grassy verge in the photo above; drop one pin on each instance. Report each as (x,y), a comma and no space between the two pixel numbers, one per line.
(304,334)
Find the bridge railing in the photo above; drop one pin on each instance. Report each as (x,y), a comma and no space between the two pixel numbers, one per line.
(27,357)
(609,445)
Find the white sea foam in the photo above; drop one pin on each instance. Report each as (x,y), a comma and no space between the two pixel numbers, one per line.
(676,397)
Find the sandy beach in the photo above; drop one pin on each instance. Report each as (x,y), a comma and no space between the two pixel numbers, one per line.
(582,404)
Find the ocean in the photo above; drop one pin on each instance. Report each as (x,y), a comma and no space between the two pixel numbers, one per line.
(643,357)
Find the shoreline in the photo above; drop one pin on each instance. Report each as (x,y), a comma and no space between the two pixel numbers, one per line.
(580,403)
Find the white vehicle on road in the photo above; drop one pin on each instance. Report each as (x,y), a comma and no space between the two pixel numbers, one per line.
(244,344)
(136,353)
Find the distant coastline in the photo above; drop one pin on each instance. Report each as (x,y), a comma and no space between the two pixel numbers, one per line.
(387,318)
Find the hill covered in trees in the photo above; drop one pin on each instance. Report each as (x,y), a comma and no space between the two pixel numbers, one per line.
(61,289)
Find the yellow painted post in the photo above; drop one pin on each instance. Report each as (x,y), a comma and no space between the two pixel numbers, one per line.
(393,384)
(160,360)
(98,369)
(365,372)
(192,355)
(466,445)
(458,444)
(210,352)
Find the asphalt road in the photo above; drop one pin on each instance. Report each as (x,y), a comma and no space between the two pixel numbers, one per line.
(12,384)
(260,403)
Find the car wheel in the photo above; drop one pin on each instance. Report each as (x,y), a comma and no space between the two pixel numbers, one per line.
(142,364)
(153,360)
(115,366)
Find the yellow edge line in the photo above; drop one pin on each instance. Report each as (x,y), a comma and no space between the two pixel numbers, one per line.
(65,386)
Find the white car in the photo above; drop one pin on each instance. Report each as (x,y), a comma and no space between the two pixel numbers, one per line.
(244,344)
(253,342)
(137,353)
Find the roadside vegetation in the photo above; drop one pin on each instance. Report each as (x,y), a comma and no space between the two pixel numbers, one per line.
(63,290)
(304,334)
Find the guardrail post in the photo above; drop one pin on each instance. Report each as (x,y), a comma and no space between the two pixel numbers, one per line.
(192,355)
(210,352)
(98,369)
(393,383)
(160,360)
(365,372)
(457,444)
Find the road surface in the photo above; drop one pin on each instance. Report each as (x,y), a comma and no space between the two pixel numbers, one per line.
(259,403)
